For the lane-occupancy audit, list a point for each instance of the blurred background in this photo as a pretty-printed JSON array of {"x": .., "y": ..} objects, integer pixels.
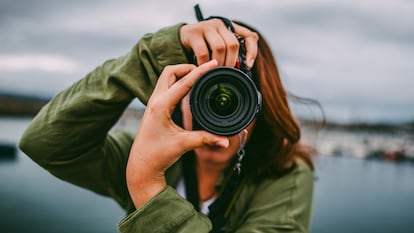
[{"x": 354, "y": 57}]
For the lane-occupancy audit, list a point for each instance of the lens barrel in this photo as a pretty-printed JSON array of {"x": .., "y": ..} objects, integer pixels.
[{"x": 224, "y": 101}]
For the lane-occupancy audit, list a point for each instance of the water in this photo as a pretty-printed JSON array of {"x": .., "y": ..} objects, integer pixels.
[
  {"x": 351, "y": 195},
  {"x": 32, "y": 200},
  {"x": 356, "y": 195}
]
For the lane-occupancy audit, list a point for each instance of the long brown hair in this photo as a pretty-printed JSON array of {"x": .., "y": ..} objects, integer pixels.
[{"x": 275, "y": 142}]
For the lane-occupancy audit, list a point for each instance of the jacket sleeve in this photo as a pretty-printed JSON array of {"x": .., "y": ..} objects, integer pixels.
[
  {"x": 167, "y": 212},
  {"x": 274, "y": 206},
  {"x": 69, "y": 136}
]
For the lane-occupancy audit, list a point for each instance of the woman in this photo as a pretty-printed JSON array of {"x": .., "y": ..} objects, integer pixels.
[{"x": 272, "y": 193}]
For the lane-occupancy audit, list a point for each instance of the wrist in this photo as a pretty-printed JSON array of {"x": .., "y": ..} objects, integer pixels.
[{"x": 143, "y": 184}]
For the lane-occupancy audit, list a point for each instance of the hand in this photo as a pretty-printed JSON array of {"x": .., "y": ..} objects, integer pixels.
[
  {"x": 212, "y": 37},
  {"x": 159, "y": 141}
]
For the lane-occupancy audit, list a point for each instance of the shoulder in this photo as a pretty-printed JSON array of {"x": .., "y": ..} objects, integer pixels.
[
  {"x": 296, "y": 186},
  {"x": 283, "y": 203}
]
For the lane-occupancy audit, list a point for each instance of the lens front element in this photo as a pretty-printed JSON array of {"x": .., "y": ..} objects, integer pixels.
[{"x": 224, "y": 101}]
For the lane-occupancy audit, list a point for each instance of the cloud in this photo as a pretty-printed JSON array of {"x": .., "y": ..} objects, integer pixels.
[
  {"x": 344, "y": 53},
  {"x": 37, "y": 62}
]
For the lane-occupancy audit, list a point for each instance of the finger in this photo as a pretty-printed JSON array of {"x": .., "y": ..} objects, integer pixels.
[
  {"x": 200, "y": 50},
  {"x": 184, "y": 84},
  {"x": 251, "y": 51},
  {"x": 193, "y": 40},
  {"x": 251, "y": 38},
  {"x": 169, "y": 76},
  {"x": 217, "y": 46},
  {"x": 200, "y": 138},
  {"x": 232, "y": 47}
]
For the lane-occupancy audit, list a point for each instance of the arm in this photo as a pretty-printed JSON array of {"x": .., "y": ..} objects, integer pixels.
[
  {"x": 280, "y": 205},
  {"x": 159, "y": 208},
  {"x": 167, "y": 212},
  {"x": 69, "y": 137}
]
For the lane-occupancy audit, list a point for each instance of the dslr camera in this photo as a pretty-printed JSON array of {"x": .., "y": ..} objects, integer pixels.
[{"x": 225, "y": 100}]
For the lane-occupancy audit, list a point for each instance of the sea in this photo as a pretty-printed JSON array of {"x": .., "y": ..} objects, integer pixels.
[{"x": 351, "y": 194}]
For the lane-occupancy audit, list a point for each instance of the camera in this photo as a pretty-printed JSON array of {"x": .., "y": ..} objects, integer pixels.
[{"x": 225, "y": 100}]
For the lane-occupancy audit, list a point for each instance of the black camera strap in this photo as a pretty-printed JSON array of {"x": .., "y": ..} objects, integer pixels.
[
  {"x": 200, "y": 17},
  {"x": 229, "y": 192}
]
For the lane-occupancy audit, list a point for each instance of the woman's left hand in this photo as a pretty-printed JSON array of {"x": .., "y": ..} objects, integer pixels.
[
  {"x": 159, "y": 142},
  {"x": 211, "y": 39}
]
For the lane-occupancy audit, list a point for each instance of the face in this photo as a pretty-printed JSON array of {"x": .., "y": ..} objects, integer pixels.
[{"x": 213, "y": 154}]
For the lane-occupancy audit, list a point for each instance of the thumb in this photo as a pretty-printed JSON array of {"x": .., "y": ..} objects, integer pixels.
[{"x": 199, "y": 138}]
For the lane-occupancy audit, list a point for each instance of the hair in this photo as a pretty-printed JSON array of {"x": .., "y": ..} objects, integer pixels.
[{"x": 275, "y": 142}]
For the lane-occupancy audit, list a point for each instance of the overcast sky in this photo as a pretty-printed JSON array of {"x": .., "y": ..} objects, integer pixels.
[{"x": 355, "y": 56}]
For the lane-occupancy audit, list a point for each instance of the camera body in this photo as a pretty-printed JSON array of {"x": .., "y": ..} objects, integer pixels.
[{"x": 225, "y": 100}]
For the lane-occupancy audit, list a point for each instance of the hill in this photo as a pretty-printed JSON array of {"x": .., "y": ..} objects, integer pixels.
[{"x": 20, "y": 105}]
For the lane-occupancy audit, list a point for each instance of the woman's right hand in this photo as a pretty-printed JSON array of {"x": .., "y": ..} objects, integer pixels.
[
  {"x": 211, "y": 39},
  {"x": 159, "y": 141}
]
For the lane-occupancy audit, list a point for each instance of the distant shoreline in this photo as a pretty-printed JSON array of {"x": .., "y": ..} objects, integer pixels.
[
  {"x": 15, "y": 105},
  {"x": 384, "y": 141},
  {"x": 19, "y": 105}
]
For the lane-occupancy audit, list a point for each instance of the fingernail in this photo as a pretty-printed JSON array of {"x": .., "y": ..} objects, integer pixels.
[
  {"x": 250, "y": 63},
  {"x": 214, "y": 61},
  {"x": 210, "y": 63},
  {"x": 223, "y": 143}
]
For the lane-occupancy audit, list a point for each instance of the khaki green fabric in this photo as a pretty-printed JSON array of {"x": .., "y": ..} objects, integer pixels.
[{"x": 71, "y": 138}]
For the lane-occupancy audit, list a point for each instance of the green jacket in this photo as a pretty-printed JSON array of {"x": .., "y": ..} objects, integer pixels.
[{"x": 71, "y": 137}]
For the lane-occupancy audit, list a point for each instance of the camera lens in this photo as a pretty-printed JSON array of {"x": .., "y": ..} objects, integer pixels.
[{"x": 224, "y": 101}]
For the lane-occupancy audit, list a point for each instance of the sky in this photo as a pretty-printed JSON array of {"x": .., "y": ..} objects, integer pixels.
[{"x": 356, "y": 57}]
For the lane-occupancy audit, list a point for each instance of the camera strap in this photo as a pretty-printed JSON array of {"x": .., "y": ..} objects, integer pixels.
[
  {"x": 229, "y": 192},
  {"x": 200, "y": 17}
]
